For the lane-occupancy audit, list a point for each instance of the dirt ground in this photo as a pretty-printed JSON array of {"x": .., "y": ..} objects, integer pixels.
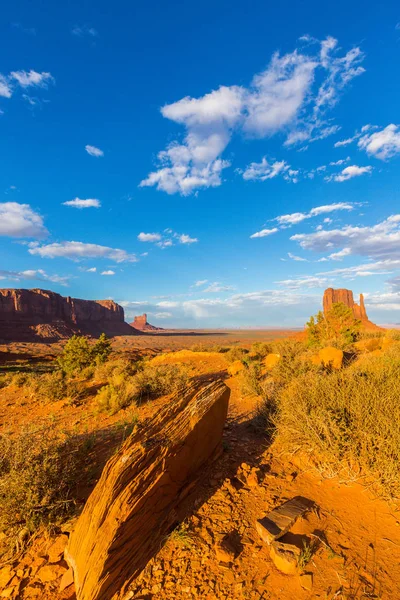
[{"x": 354, "y": 536}]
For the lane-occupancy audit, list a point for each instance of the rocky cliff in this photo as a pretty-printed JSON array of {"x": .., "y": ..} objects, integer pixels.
[
  {"x": 332, "y": 296},
  {"x": 140, "y": 322},
  {"x": 34, "y": 315}
]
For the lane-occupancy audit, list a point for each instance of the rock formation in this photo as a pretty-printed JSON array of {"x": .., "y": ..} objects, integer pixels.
[
  {"x": 137, "y": 499},
  {"x": 34, "y": 315},
  {"x": 140, "y": 322},
  {"x": 332, "y": 296}
]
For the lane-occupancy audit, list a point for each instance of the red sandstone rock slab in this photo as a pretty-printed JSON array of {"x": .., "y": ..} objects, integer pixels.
[
  {"x": 278, "y": 522},
  {"x": 134, "y": 504}
]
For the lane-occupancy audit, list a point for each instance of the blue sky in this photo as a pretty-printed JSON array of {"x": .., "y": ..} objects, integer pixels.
[{"x": 214, "y": 166}]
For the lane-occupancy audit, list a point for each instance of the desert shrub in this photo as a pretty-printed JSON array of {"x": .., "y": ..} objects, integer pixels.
[
  {"x": 101, "y": 350},
  {"x": 21, "y": 379},
  {"x": 293, "y": 360},
  {"x": 117, "y": 395},
  {"x": 105, "y": 371},
  {"x": 259, "y": 350},
  {"x": 393, "y": 334},
  {"x": 4, "y": 380},
  {"x": 153, "y": 381},
  {"x": 236, "y": 353},
  {"x": 50, "y": 387},
  {"x": 76, "y": 355},
  {"x": 39, "y": 473},
  {"x": 337, "y": 327},
  {"x": 349, "y": 418}
]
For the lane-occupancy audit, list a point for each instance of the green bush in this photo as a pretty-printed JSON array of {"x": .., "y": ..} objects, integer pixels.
[
  {"x": 101, "y": 350},
  {"x": 337, "y": 327},
  {"x": 235, "y": 353},
  {"x": 76, "y": 356},
  {"x": 156, "y": 380}
]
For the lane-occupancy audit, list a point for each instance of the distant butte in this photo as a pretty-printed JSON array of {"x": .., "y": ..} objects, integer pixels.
[
  {"x": 41, "y": 315},
  {"x": 332, "y": 296},
  {"x": 140, "y": 322}
]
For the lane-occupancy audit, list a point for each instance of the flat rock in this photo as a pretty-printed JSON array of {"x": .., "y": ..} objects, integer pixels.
[
  {"x": 6, "y": 574},
  {"x": 56, "y": 550},
  {"x": 306, "y": 581},
  {"x": 278, "y": 522},
  {"x": 66, "y": 580}
]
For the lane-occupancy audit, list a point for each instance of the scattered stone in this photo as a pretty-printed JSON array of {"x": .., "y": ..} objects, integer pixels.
[
  {"x": 280, "y": 520},
  {"x": 252, "y": 479},
  {"x": 7, "y": 593},
  {"x": 56, "y": 550},
  {"x": 224, "y": 551},
  {"x": 6, "y": 574},
  {"x": 50, "y": 573},
  {"x": 306, "y": 581},
  {"x": 285, "y": 557},
  {"x": 67, "y": 579},
  {"x": 134, "y": 502}
]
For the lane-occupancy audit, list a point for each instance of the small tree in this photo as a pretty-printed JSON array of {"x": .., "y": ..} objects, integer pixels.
[
  {"x": 76, "y": 355},
  {"x": 101, "y": 350},
  {"x": 338, "y": 327}
]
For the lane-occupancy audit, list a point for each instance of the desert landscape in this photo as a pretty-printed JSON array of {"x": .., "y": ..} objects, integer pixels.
[
  {"x": 177, "y": 464},
  {"x": 199, "y": 300}
]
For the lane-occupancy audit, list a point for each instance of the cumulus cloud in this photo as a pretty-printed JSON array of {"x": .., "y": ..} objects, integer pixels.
[
  {"x": 20, "y": 220},
  {"x": 109, "y": 272},
  {"x": 79, "y": 203},
  {"x": 296, "y": 258},
  {"x": 149, "y": 237},
  {"x": 349, "y": 172},
  {"x": 298, "y": 217},
  {"x": 382, "y": 144},
  {"x": 33, "y": 274},
  {"x": 380, "y": 241},
  {"x": 268, "y": 170},
  {"x": 264, "y": 233},
  {"x": 292, "y": 95},
  {"x": 93, "y": 151},
  {"x": 81, "y": 250},
  {"x": 200, "y": 283},
  {"x": 381, "y": 267},
  {"x": 166, "y": 239}
]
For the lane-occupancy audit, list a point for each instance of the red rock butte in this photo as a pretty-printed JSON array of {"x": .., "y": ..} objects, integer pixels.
[
  {"x": 344, "y": 296},
  {"x": 42, "y": 315},
  {"x": 140, "y": 322}
]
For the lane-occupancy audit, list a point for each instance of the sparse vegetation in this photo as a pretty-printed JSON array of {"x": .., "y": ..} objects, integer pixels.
[
  {"x": 78, "y": 354},
  {"x": 337, "y": 327},
  {"x": 40, "y": 470}
]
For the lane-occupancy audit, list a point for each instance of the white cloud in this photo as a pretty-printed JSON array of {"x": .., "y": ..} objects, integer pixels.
[
  {"x": 20, "y": 220},
  {"x": 186, "y": 239},
  {"x": 93, "y": 151},
  {"x": 5, "y": 88},
  {"x": 340, "y": 255},
  {"x": 109, "y": 272},
  {"x": 84, "y": 30},
  {"x": 265, "y": 170},
  {"x": 217, "y": 287},
  {"x": 163, "y": 315},
  {"x": 149, "y": 237},
  {"x": 382, "y": 144},
  {"x": 80, "y": 250},
  {"x": 381, "y": 267},
  {"x": 88, "y": 270},
  {"x": 337, "y": 163},
  {"x": 345, "y": 142},
  {"x": 307, "y": 281},
  {"x": 33, "y": 274},
  {"x": 264, "y": 233},
  {"x": 298, "y": 217},
  {"x": 349, "y": 172},
  {"x": 296, "y": 258},
  {"x": 380, "y": 241},
  {"x": 286, "y": 96},
  {"x": 79, "y": 203},
  {"x": 31, "y": 78},
  {"x": 200, "y": 282}
]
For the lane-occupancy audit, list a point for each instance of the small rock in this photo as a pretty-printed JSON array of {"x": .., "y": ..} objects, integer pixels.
[
  {"x": 7, "y": 593},
  {"x": 252, "y": 479},
  {"x": 50, "y": 573},
  {"x": 306, "y": 581},
  {"x": 6, "y": 574},
  {"x": 67, "y": 579},
  {"x": 56, "y": 550},
  {"x": 285, "y": 557},
  {"x": 224, "y": 551}
]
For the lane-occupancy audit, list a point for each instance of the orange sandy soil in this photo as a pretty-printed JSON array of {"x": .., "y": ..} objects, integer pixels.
[{"x": 356, "y": 536}]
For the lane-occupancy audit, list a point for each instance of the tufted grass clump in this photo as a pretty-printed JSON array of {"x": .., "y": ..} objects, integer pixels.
[{"x": 349, "y": 420}]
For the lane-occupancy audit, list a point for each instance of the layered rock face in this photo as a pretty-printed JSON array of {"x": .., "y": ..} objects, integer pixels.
[
  {"x": 140, "y": 322},
  {"x": 332, "y": 296},
  {"x": 31, "y": 315},
  {"x": 138, "y": 496}
]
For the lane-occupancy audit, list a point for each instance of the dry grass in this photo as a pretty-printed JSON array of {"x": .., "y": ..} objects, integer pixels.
[
  {"x": 40, "y": 470},
  {"x": 348, "y": 419}
]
